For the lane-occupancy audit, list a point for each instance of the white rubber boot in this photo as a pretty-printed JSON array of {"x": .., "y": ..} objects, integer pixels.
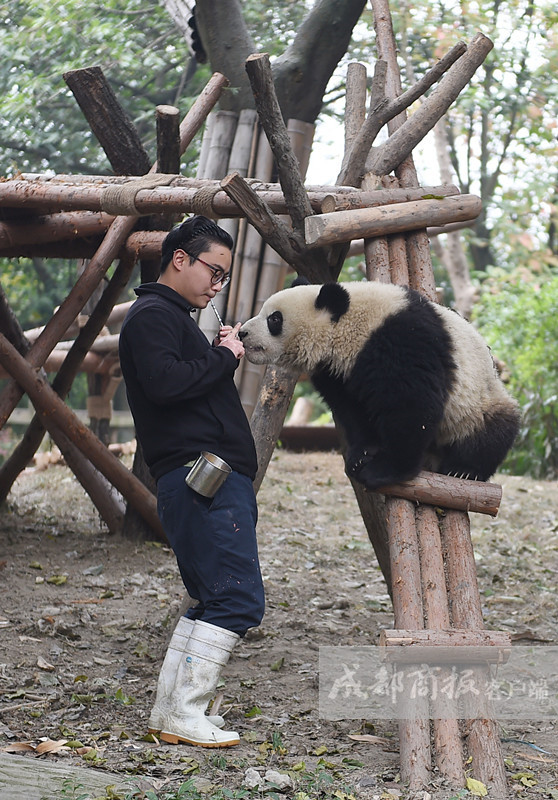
[
  {"x": 167, "y": 677},
  {"x": 208, "y": 650}
]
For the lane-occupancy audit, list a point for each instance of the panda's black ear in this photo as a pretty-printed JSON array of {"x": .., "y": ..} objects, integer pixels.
[
  {"x": 335, "y": 299},
  {"x": 300, "y": 280}
]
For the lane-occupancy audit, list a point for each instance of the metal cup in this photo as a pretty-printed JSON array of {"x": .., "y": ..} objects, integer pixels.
[{"x": 208, "y": 474}]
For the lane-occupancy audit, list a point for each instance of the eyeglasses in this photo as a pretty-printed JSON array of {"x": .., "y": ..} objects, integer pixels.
[{"x": 217, "y": 274}]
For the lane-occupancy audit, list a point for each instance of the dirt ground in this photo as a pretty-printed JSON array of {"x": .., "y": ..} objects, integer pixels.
[{"x": 85, "y": 616}]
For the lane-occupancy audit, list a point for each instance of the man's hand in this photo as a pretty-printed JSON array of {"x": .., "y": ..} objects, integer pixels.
[{"x": 229, "y": 338}]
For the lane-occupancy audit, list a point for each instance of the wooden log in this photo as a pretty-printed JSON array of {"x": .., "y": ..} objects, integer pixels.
[
  {"x": 24, "y": 778},
  {"x": 54, "y": 227},
  {"x": 355, "y": 103},
  {"x": 471, "y": 646},
  {"x": 448, "y": 752},
  {"x": 258, "y": 213},
  {"x": 383, "y": 110},
  {"x": 116, "y": 133},
  {"x": 37, "y": 195},
  {"x": 28, "y": 445},
  {"x": 343, "y": 226},
  {"x": 97, "y": 267},
  {"x": 51, "y": 408},
  {"x": 402, "y": 142},
  {"x": 168, "y": 138},
  {"x": 483, "y": 740},
  {"x": 414, "y": 732},
  {"x": 442, "y": 490},
  {"x": 261, "y": 80},
  {"x": 270, "y": 411},
  {"x": 357, "y": 245}
]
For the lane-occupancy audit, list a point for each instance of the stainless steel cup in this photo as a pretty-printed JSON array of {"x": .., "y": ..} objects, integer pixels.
[{"x": 208, "y": 474}]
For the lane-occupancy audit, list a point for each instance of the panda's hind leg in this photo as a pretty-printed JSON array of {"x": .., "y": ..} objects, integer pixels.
[{"x": 376, "y": 466}]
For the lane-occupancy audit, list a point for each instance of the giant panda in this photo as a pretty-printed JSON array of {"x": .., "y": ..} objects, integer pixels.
[{"x": 412, "y": 383}]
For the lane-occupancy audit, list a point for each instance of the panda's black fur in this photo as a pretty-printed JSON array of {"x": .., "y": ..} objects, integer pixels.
[{"x": 392, "y": 378}]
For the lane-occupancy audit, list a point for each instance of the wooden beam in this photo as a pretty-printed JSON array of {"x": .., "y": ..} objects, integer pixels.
[
  {"x": 441, "y": 490},
  {"x": 344, "y": 226}
]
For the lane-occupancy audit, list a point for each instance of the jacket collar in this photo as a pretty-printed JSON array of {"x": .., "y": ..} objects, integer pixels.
[{"x": 164, "y": 291}]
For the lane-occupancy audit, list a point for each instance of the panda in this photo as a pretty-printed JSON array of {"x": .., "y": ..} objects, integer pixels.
[{"x": 411, "y": 382}]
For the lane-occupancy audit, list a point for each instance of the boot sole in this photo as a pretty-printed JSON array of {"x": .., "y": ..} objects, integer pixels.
[{"x": 172, "y": 738}]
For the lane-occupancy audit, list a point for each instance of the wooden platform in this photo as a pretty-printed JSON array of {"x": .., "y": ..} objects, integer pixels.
[{"x": 30, "y": 778}]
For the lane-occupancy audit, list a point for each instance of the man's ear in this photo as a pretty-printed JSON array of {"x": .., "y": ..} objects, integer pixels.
[{"x": 180, "y": 259}]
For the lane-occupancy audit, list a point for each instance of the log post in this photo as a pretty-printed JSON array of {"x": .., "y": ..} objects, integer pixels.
[
  {"x": 414, "y": 732},
  {"x": 447, "y": 738},
  {"x": 483, "y": 740}
]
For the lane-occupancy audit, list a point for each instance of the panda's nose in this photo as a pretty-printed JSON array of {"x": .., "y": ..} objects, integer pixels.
[{"x": 242, "y": 334}]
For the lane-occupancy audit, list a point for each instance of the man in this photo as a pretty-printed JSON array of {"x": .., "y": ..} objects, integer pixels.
[{"x": 184, "y": 401}]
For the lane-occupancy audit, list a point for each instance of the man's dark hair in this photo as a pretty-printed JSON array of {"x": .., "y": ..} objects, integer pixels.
[{"x": 194, "y": 236}]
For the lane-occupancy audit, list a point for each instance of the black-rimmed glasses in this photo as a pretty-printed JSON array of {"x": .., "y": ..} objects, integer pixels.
[{"x": 217, "y": 274}]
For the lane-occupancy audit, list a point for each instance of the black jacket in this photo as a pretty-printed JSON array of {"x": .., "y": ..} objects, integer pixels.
[{"x": 181, "y": 389}]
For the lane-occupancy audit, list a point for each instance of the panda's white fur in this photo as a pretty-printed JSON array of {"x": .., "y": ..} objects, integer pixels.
[{"x": 327, "y": 331}]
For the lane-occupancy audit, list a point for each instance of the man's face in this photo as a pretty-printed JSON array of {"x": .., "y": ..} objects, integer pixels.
[{"x": 194, "y": 281}]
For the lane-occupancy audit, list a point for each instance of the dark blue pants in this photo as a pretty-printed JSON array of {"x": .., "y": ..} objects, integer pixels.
[{"x": 214, "y": 541}]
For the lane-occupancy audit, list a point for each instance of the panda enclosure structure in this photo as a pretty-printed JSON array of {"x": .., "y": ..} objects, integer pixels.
[{"x": 428, "y": 561}]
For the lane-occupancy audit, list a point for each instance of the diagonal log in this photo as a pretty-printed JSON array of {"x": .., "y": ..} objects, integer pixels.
[
  {"x": 107, "y": 252},
  {"x": 56, "y": 414},
  {"x": 269, "y": 112},
  {"x": 402, "y": 142},
  {"x": 382, "y": 110},
  {"x": 62, "y": 383}
]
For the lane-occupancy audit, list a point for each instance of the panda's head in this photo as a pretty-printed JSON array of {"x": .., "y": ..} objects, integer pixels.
[{"x": 296, "y": 326}]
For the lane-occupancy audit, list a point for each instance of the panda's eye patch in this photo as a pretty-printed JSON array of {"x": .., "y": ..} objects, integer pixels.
[{"x": 275, "y": 323}]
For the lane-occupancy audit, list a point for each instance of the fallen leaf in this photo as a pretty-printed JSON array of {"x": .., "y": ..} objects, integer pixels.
[
  {"x": 368, "y": 737},
  {"x": 51, "y": 746},
  {"x": 477, "y": 788},
  {"x": 17, "y": 747},
  {"x": 42, "y": 664},
  {"x": 57, "y": 580}
]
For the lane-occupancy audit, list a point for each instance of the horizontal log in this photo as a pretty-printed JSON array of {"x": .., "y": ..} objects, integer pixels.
[
  {"x": 451, "y": 646},
  {"x": 92, "y": 363},
  {"x": 357, "y": 245},
  {"x": 54, "y": 227},
  {"x": 435, "y": 489},
  {"x": 60, "y": 196},
  {"x": 344, "y": 226}
]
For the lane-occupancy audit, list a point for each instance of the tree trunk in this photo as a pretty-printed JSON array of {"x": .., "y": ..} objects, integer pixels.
[{"x": 301, "y": 73}]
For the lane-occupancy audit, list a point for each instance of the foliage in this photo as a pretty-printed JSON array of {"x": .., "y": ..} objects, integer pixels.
[
  {"x": 518, "y": 316},
  {"x": 502, "y": 128},
  {"x": 134, "y": 41}
]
